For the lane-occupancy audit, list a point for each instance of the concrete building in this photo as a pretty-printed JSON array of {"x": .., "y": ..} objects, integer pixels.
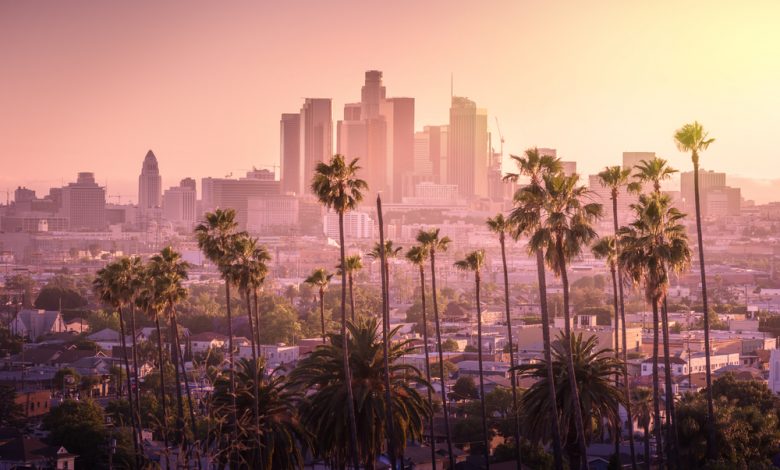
[
  {"x": 356, "y": 225},
  {"x": 84, "y": 204},
  {"x": 467, "y": 153},
  {"x": 274, "y": 215},
  {"x": 228, "y": 193},
  {"x": 290, "y": 153},
  {"x": 316, "y": 138},
  {"x": 178, "y": 203},
  {"x": 149, "y": 184}
]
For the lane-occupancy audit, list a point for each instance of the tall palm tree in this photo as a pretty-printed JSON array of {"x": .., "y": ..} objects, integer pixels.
[
  {"x": 391, "y": 252},
  {"x": 354, "y": 264},
  {"x": 598, "y": 400},
  {"x": 431, "y": 242},
  {"x": 113, "y": 286},
  {"x": 474, "y": 262},
  {"x": 566, "y": 227},
  {"x": 281, "y": 434},
  {"x": 215, "y": 236},
  {"x": 500, "y": 226},
  {"x": 693, "y": 138},
  {"x": 656, "y": 171},
  {"x": 652, "y": 246},
  {"x": 418, "y": 255},
  {"x": 338, "y": 188},
  {"x": 320, "y": 278},
  {"x": 642, "y": 401},
  {"x": 168, "y": 270},
  {"x": 135, "y": 268},
  {"x": 526, "y": 216},
  {"x": 322, "y": 411},
  {"x": 617, "y": 179}
]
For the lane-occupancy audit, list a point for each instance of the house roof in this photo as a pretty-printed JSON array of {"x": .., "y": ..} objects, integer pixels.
[
  {"x": 30, "y": 449},
  {"x": 672, "y": 360},
  {"x": 106, "y": 334},
  {"x": 208, "y": 336}
]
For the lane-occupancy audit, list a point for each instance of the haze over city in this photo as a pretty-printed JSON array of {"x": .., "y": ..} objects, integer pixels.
[{"x": 92, "y": 86}]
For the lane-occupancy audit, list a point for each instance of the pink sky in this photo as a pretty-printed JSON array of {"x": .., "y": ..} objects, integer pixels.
[{"x": 91, "y": 86}]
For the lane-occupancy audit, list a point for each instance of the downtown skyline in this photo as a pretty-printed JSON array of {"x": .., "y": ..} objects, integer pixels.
[{"x": 206, "y": 103}]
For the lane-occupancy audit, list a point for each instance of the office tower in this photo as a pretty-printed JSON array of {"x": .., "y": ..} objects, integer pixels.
[
  {"x": 84, "y": 204},
  {"x": 727, "y": 200},
  {"x": 707, "y": 180},
  {"x": 149, "y": 184},
  {"x": 235, "y": 194},
  {"x": 290, "y": 153},
  {"x": 468, "y": 157},
  {"x": 316, "y": 138},
  {"x": 178, "y": 203},
  {"x": 632, "y": 159},
  {"x": 429, "y": 149},
  {"x": 400, "y": 141}
]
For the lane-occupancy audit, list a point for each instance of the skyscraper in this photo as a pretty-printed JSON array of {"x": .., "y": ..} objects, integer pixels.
[
  {"x": 178, "y": 203},
  {"x": 84, "y": 203},
  {"x": 316, "y": 138},
  {"x": 468, "y": 158},
  {"x": 290, "y": 152},
  {"x": 399, "y": 115},
  {"x": 149, "y": 184}
]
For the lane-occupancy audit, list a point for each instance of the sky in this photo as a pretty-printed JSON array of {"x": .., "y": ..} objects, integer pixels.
[{"x": 93, "y": 85}]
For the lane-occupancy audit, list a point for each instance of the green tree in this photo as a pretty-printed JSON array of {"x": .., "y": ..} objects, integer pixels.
[
  {"x": 79, "y": 426},
  {"x": 642, "y": 403},
  {"x": 694, "y": 139},
  {"x": 11, "y": 413},
  {"x": 432, "y": 243},
  {"x": 597, "y": 397},
  {"x": 526, "y": 218},
  {"x": 322, "y": 412},
  {"x": 320, "y": 278},
  {"x": 465, "y": 388},
  {"x": 354, "y": 264},
  {"x": 337, "y": 187}
]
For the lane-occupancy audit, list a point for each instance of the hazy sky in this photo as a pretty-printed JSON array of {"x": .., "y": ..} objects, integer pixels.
[{"x": 92, "y": 85}]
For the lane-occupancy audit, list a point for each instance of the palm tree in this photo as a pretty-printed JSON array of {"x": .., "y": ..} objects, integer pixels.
[
  {"x": 418, "y": 255},
  {"x": 652, "y": 246},
  {"x": 565, "y": 228},
  {"x": 500, "y": 226},
  {"x": 215, "y": 238},
  {"x": 281, "y": 435},
  {"x": 113, "y": 286},
  {"x": 322, "y": 411},
  {"x": 354, "y": 264},
  {"x": 693, "y": 138},
  {"x": 642, "y": 399},
  {"x": 320, "y": 278},
  {"x": 598, "y": 399},
  {"x": 653, "y": 171},
  {"x": 391, "y": 251},
  {"x": 616, "y": 179},
  {"x": 168, "y": 270},
  {"x": 525, "y": 217},
  {"x": 432, "y": 243},
  {"x": 337, "y": 187},
  {"x": 474, "y": 262}
]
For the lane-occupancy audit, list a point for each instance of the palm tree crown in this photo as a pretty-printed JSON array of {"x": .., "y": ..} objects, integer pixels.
[
  {"x": 653, "y": 171},
  {"x": 692, "y": 138},
  {"x": 336, "y": 186}
]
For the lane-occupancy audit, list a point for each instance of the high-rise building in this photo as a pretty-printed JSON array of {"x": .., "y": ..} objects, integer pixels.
[
  {"x": 430, "y": 147},
  {"x": 707, "y": 180},
  {"x": 316, "y": 138},
  {"x": 399, "y": 115},
  {"x": 84, "y": 204},
  {"x": 149, "y": 184},
  {"x": 235, "y": 194},
  {"x": 467, "y": 154},
  {"x": 569, "y": 167},
  {"x": 290, "y": 152},
  {"x": 179, "y": 203}
]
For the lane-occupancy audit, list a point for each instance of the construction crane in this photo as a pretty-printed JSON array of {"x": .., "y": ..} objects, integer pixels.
[{"x": 500, "y": 136}]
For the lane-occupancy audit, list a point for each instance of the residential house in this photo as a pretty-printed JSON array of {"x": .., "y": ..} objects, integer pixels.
[{"x": 34, "y": 323}]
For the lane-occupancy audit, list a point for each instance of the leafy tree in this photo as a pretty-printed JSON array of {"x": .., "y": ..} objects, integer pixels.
[
  {"x": 22, "y": 286},
  {"x": 465, "y": 388},
  {"x": 53, "y": 297},
  {"x": 66, "y": 378},
  {"x": 450, "y": 345},
  {"x": 9, "y": 343},
  {"x": 80, "y": 427},
  {"x": 11, "y": 413}
]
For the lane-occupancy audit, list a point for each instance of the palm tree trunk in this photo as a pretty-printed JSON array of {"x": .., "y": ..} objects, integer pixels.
[
  {"x": 137, "y": 409},
  {"x": 647, "y": 445},
  {"x": 163, "y": 401},
  {"x": 617, "y": 430},
  {"x": 351, "y": 297},
  {"x": 232, "y": 368},
  {"x": 427, "y": 367},
  {"x": 133, "y": 418},
  {"x": 193, "y": 424},
  {"x": 575, "y": 393},
  {"x": 515, "y": 408},
  {"x": 671, "y": 422},
  {"x": 554, "y": 418},
  {"x": 181, "y": 436},
  {"x": 711, "y": 436},
  {"x": 445, "y": 409},
  {"x": 255, "y": 385},
  {"x": 385, "y": 336},
  {"x": 257, "y": 323},
  {"x": 626, "y": 385},
  {"x": 482, "y": 377},
  {"x": 322, "y": 313},
  {"x": 656, "y": 394},
  {"x": 345, "y": 349}
]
